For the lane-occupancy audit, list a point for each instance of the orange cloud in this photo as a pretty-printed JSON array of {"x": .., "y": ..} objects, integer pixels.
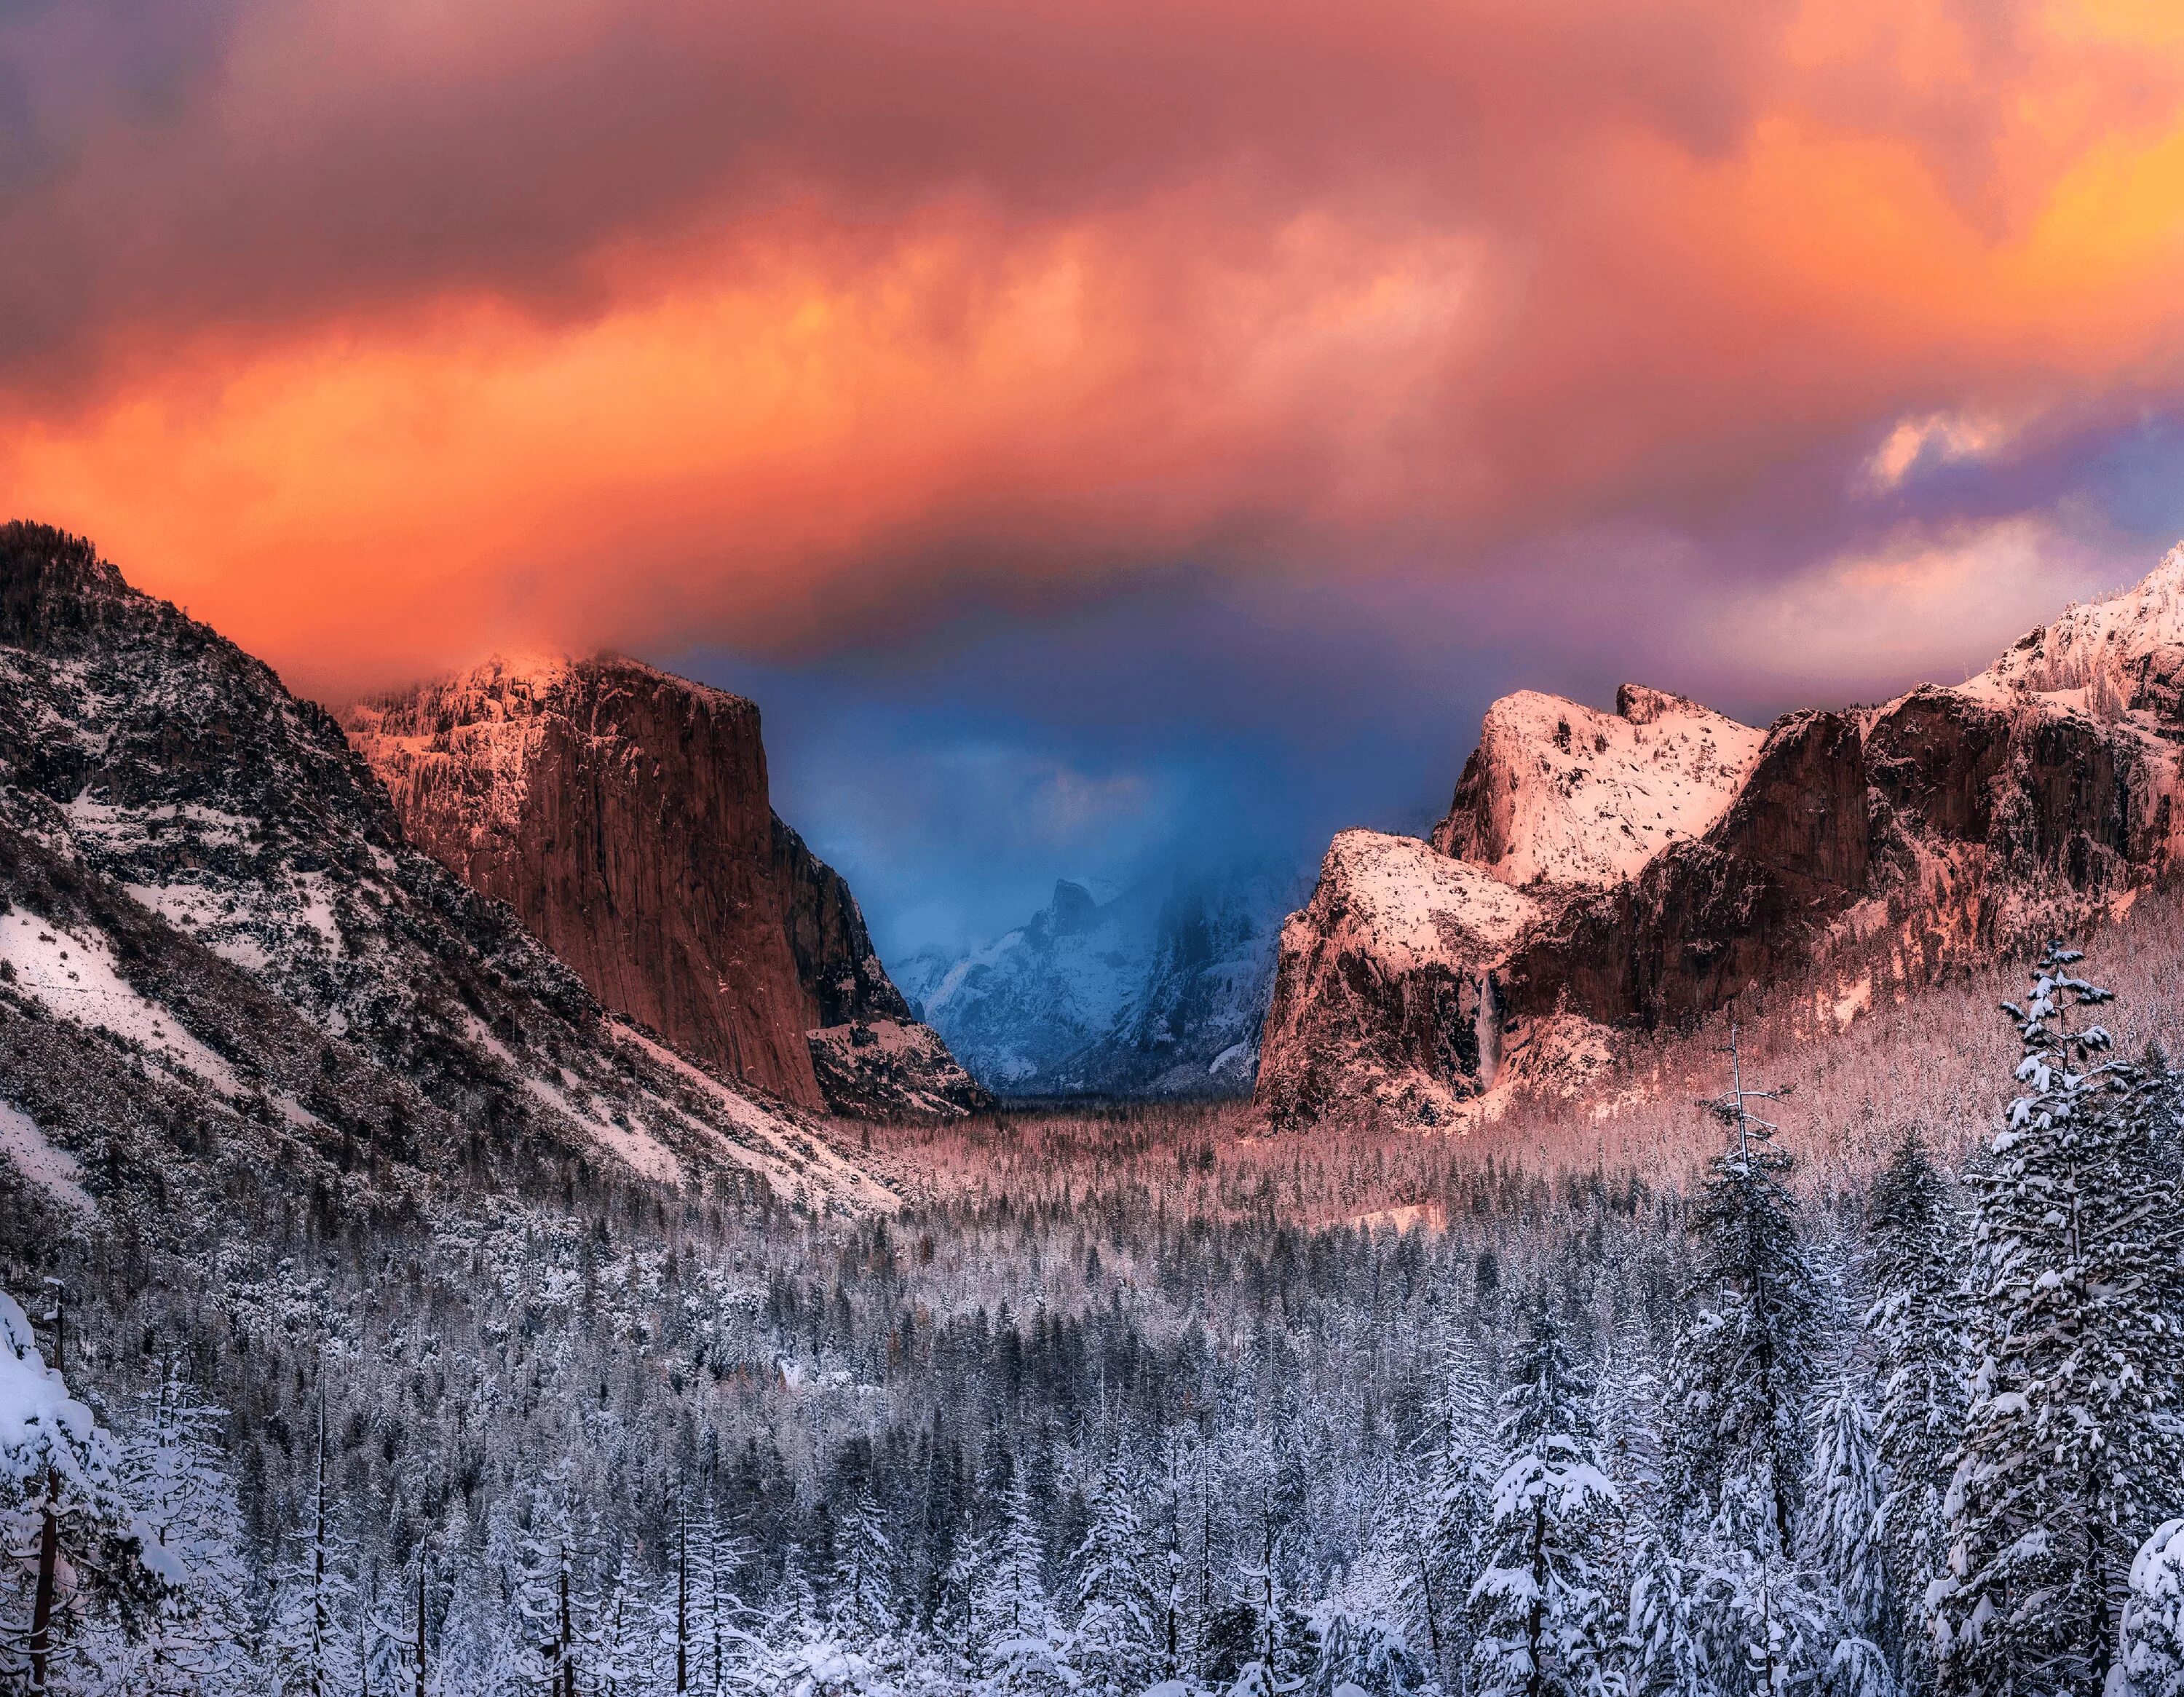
[{"x": 390, "y": 332}]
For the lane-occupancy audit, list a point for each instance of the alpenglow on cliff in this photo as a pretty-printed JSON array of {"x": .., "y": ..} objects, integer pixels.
[
  {"x": 1604, "y": 875},
  {"x": 623, "y": 813}
]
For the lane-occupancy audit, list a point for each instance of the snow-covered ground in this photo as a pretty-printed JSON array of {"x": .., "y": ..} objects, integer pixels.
[{"x": 73, "y": 975}]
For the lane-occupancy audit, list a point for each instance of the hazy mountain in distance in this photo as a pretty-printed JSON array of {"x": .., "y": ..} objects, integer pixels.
[{"x": 1156, "y": 990}]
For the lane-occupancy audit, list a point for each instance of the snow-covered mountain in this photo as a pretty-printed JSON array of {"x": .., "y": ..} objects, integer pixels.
[
  {"x": 1157, "y": 990},
  {"x": 1599, "y": 875},
  {"x": 222, "y": 962}
]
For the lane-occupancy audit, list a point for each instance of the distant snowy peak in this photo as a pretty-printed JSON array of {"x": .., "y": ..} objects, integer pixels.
[
  {"x": 2123, "y": 653},
  {"x": 1157, "y": 990},
  {"x": 1560, "y": 793}
]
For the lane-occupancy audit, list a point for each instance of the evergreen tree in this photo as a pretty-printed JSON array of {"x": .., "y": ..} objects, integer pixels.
[
  {"x": 312, "y": 1641},
  {"x": 1444, "y": 1535},
  {"x": 1117, "y": 1645},
  {"x": 1363, "y": 1654},
  {"x": 1917, "y": 1324},
  {"x": 65, "y": 1545},
  {"x": 1747, "y": 1359},
  {"x": 195, "y": 1637},
  {"x": 2071, "y": 1450},
  {"x": 545, "y": 1603},
  {"x": 1013, "y": 1603},
  {"x": 2152, "y": 1643},
  {"x": 864, "y": 1574},
  {"x": 960, "y": 1621},
  {"x": 1843, "y": 1508},
  {"x": 1765, "y": 1629},
  {"x": 1663, "y": 1637},
  {"x": 1547, "y": 1629}
]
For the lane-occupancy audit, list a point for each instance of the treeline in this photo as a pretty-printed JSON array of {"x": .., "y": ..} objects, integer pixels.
[{"x": 1121, "y": 1422}]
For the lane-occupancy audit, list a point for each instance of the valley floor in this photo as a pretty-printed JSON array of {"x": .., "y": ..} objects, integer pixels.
[{"x": 1111, "y": 1399}]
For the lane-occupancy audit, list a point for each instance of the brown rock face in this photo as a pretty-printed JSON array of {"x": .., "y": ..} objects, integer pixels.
[
  {"x": 1952, "y": 822},
  {"x": 624, "y": 814}
]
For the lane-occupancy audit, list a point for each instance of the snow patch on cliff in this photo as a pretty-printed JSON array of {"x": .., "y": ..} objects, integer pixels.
[
  {"x": 1408, "y": 904},
  {"x": 73, "y": 976},
  {"x": 54, "y": 1171},
  {"x": 1565, "y": 794}
]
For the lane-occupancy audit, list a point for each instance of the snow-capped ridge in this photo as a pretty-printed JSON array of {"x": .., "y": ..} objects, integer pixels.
[
  {"x": 1679, "y": 861},
  {"x": 1557, "y": 793}
]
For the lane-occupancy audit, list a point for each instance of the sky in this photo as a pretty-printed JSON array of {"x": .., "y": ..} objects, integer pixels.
[{"x": 1103, "y": 436}]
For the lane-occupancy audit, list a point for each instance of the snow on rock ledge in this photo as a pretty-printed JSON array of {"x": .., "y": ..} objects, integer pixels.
[
  {"x": 1560, "y": 793},
  {"x": 1385, "y": 991}
]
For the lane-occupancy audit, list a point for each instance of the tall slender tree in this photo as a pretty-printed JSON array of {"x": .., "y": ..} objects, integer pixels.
[
  {"x": 1117, "y": 1643},
  {"x": 313, "y": 1642},
  {"x": 1748, "y": 1357},
  {"x": 1916, "y": 1321},
  {"x": 2071, "y": 1451}
]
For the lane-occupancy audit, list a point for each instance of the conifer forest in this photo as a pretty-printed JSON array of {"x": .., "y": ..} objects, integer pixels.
[{"x": 1863, "y": 1381}]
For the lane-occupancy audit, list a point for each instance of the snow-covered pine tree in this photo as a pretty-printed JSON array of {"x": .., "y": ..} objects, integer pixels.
[
  {"x": 196, "y": 1635},
  {"x": 1916, "y": 1321},
  {"x": 719, "y": 1625},
  {"x": 2151, "y": 1649},
  {"x": 1764, "y": 1628},
  {"x": 959, "y": 1622},
  {"x": 1843, "y": 1507},
  {"x": 795, "y": 1610},
  {"x": 863, "y": 1601},
  {"x": 311, "y": 1648},
  {"x": 1362, "y": 1655},
  {"x": 1013, "y": 1602},
  {"x": 1444, "y": 1533},
  {"x": 2071, "y": 1450},
  {"x": 66, "y": 1546},
  {"x": 620, "y": 1640},
  {"x": 1747, "y": 1361},
  {"x": 1664, "y": 1650},
  {"x": 1548, "y": 1629},
  {"x": 544, "y": 1601},
  {"x": 1117, "y": 1646}
]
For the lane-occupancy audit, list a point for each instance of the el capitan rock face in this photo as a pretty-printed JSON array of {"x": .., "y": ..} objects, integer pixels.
[
  {"x": 623, "y": 813},
  {"x": 1676, "y": 862}
]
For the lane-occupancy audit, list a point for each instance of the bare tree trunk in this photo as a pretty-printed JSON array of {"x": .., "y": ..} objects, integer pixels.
[
  {"x": 568, "y": 1668},
  {"x": 682, "y": 1604},
  {"x": 41, "y": 1609}
]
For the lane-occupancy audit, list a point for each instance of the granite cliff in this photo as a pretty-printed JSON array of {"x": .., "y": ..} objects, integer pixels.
[
  {"x": 623, "y": 813},
  {"x": 224, "y": 967},
  {"x": 1599, "y": 875}
]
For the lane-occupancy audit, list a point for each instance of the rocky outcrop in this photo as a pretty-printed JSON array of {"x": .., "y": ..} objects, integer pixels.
[
  {"x": 1558, "y": 794},
  {"x": 1384, "y": 985},
  {"x": 624, "y": 814},
  {"x": 1666, "y": 882}
]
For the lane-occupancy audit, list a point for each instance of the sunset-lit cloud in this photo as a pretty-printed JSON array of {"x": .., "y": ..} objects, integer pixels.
[
  {"x": 1547, "y": 343},
  {"x": 382, "y": 333}
]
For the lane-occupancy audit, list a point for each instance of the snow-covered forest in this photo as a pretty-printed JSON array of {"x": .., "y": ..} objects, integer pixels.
[{"x": 1864, "y": 1385}]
